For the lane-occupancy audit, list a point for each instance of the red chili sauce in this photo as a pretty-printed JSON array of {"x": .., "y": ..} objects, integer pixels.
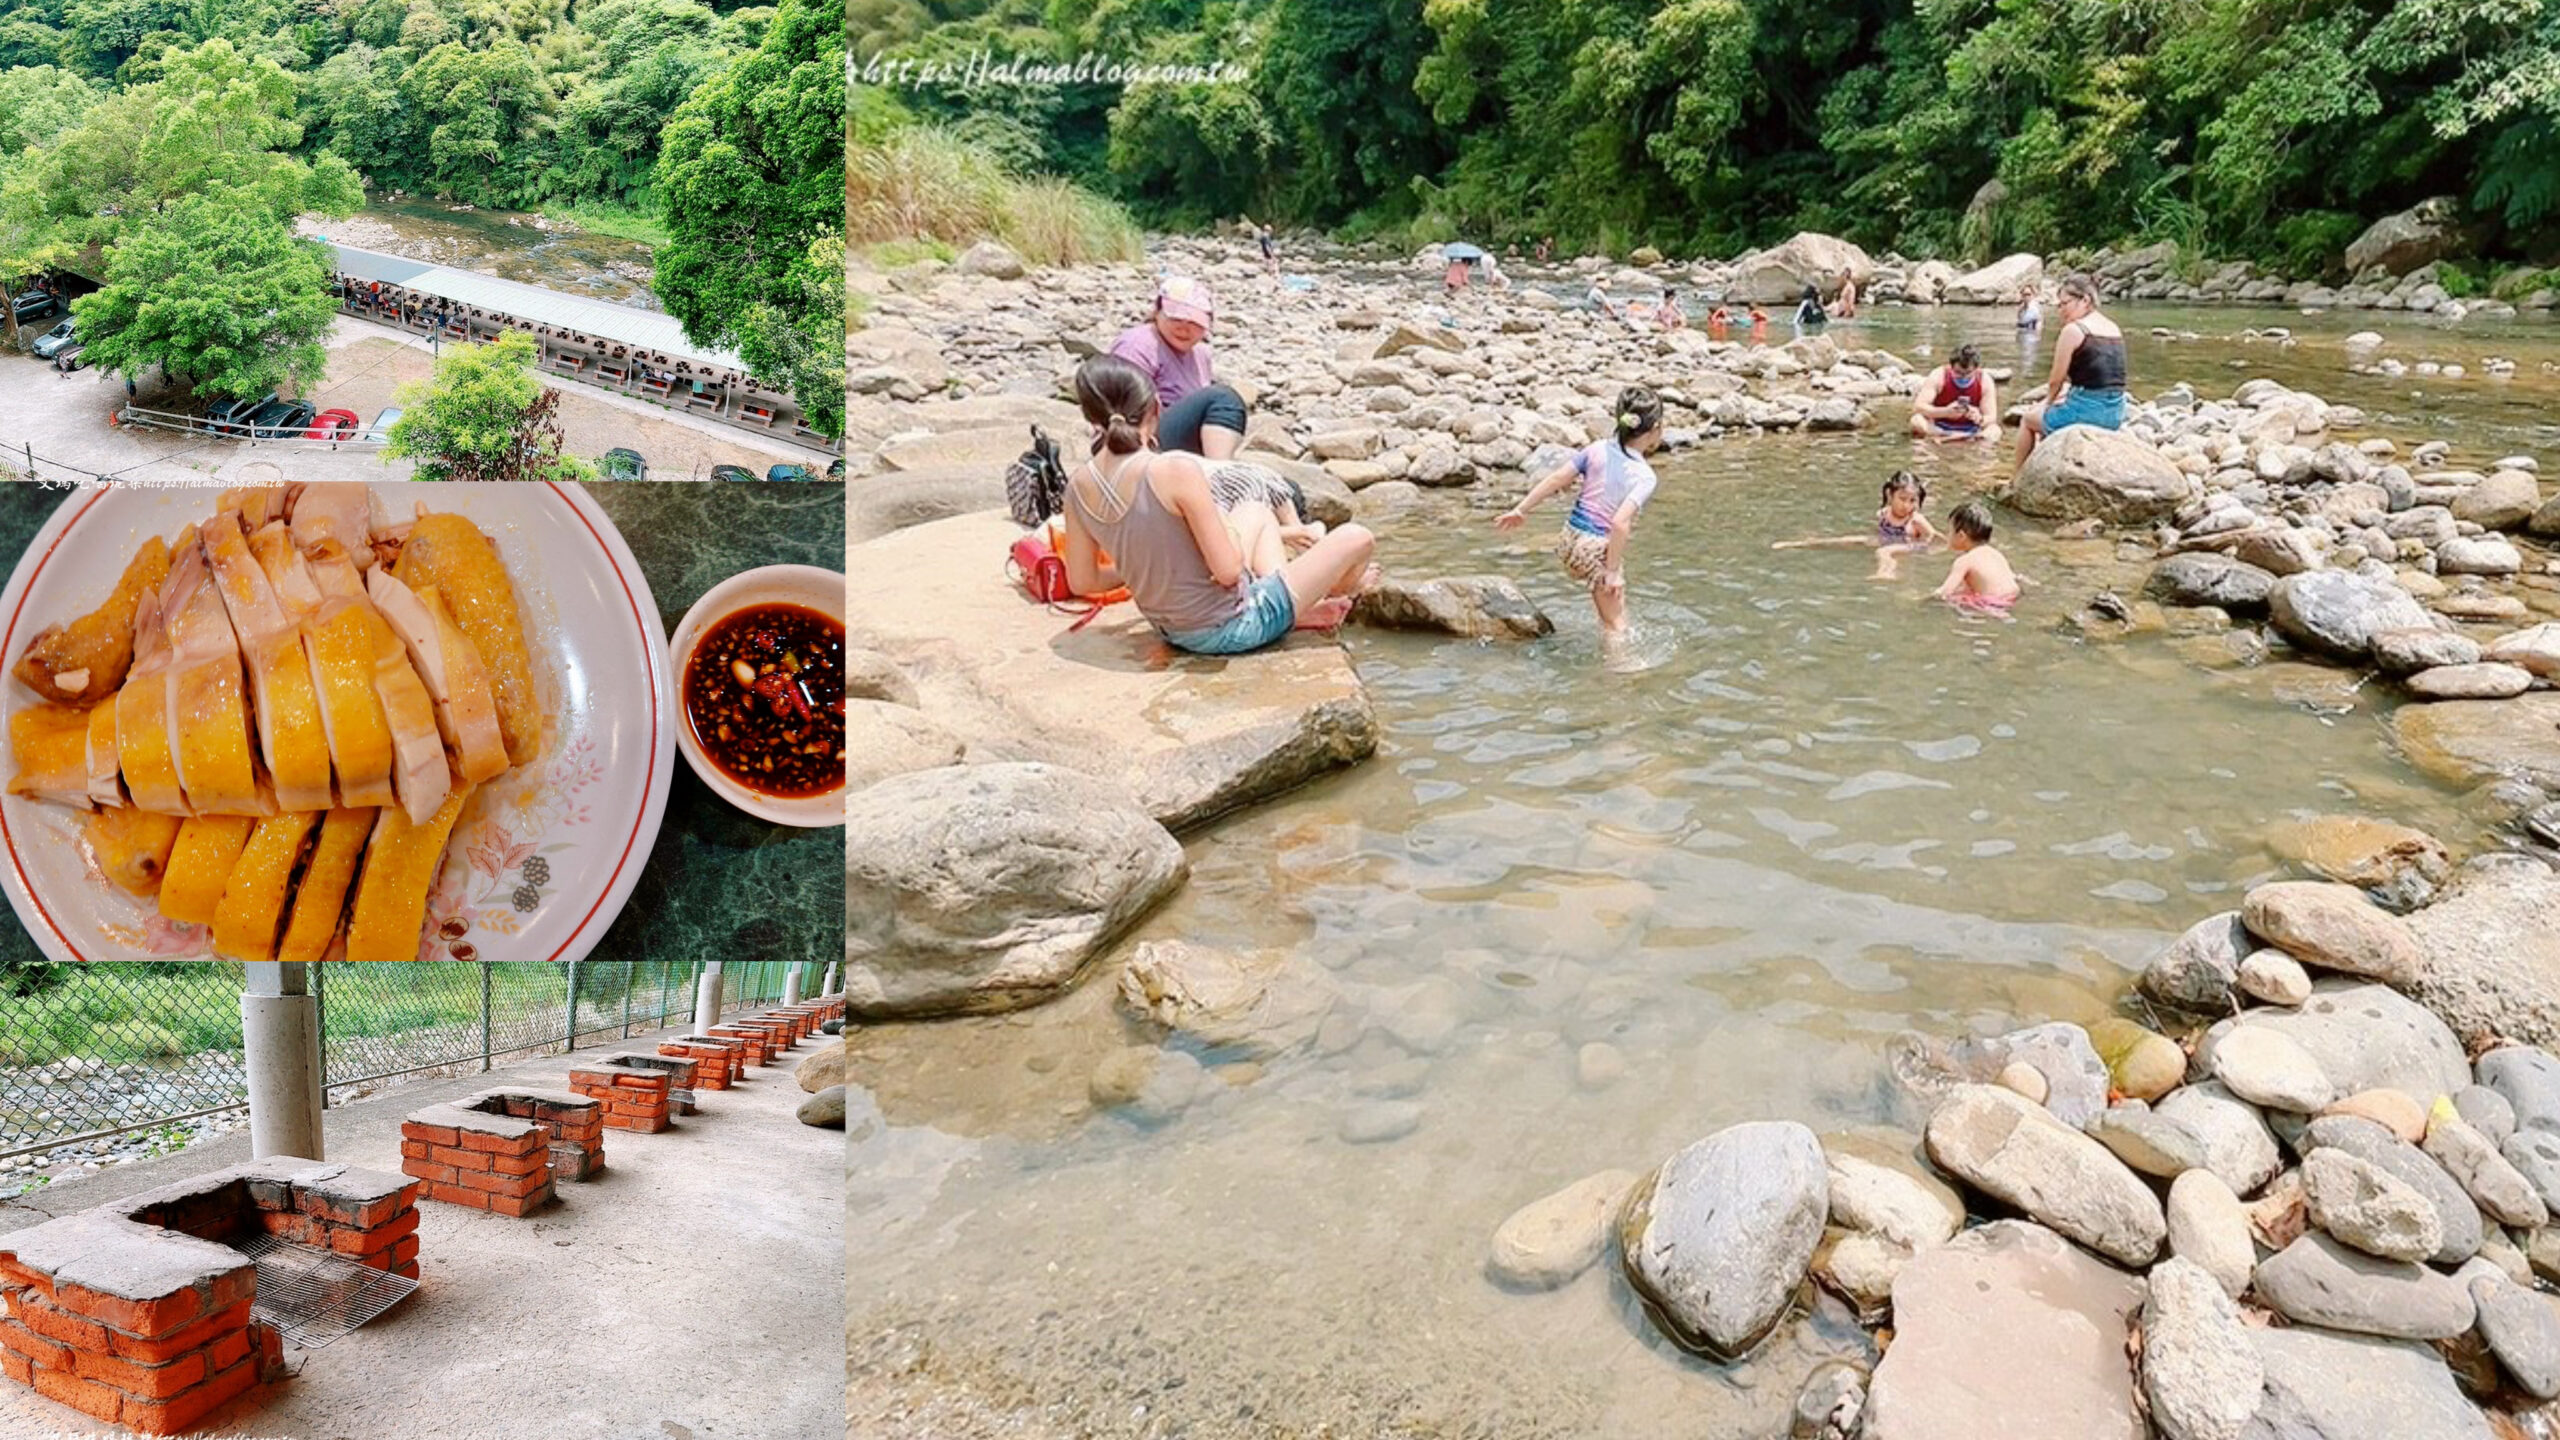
[{"x": 764, "y": 693}]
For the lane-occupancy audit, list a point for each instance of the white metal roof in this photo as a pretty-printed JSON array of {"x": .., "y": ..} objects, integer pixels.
[{"x": 642, "y": 329}]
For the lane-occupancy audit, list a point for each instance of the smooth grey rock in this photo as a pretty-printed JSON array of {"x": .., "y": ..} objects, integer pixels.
[
  {"x": 2110, "y": 475},
  {"x": 2275, "y": 978},
  {"x": 2485, "y": 681},
  {"x": 1878, "y": 1198},
  {"x": 2237, "y": 1145},
  {"x": 2008, "y": 1330},
  {"x": 2318, "y": 1281},
  {"x": 2075, "y": 1078},
  {"x": 2478, "y": 555},
  {"x": 2201, "y": 966},
  {"x": 1375, "y": 1122},
  {"x": 2150, "y": 1143},
  {"x": 2504, "y": 1195},
  {"x": 2527, "y": 1079},
  {"x": 2536, "y": 1156},
  {"x": 2457, "y": 1218},
  {"x": 2492, "y": 943},
  {"x": 1554, "y": 1238},
  {"x": 2264, "y": 1067},
  {"x": 2336, "y": 613},
  {"x": 2367, "y": 1037},
  {"x": 2486, "y": 1109},
  {"x": 2201, "y": 1373},
  {"x": 2522, "y": 1328},
  {"x": 2204, "y": 578},
  {"x": 989, "y": 887},
  {"x": 2324, "y": 1385},
  {"x": 2367, "y": 1207},
  {"x": 1722, "y": 1237},
  {"x": 2209, "y": 1227},
  {"x": 2021, "y": 1155},
  {"x": 1474, "y": 607},
  {"x": 2424, "y": 647},
  {"x": 824, "y": 1109},
  {"x": 1257, "y": 1005}
]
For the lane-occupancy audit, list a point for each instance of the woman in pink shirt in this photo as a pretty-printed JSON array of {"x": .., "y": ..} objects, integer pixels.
[{"x": 1172, "y": 348}]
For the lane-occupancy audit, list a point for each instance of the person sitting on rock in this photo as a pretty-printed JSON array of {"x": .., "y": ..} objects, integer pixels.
[
  {"x": 1597, "y": 298},
  {"x": 1670, "y": 316},
  {"x": 1185, "y": 563},
  {"x": 1957, "y": 401},
  {"x": 1613, "y": 481},
  {"x": 1846, "y": 306},
  {"x": 1172, "y": 350},
  {"x": 2087, "y": 384}
]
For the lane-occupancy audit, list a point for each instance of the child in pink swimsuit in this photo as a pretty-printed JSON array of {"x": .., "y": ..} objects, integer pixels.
[{"x": 1900, "y": 527}]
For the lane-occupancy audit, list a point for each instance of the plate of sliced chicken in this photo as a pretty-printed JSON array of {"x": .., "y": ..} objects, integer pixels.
[{"x": 330, "y": 722}]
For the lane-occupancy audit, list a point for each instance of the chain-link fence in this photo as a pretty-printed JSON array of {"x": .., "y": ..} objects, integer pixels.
[{"x": 92, "y": 1051}]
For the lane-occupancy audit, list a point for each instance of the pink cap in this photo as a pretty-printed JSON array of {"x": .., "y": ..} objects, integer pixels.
[{"x": 1184, "y": 298}]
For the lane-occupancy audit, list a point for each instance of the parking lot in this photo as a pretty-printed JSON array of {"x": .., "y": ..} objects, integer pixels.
[{"x": 65, "y": 420}]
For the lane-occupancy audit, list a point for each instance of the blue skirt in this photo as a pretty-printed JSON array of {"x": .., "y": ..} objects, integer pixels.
[{"x": 2102, "y": 408}]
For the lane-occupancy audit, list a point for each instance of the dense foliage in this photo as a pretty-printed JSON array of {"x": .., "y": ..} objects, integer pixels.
[
  {"x": 484, "y": 415},
  {"x": 494, "y": 102},
  {"x": 215, "y": 291},
  {"x": 2272, "y": 128}
]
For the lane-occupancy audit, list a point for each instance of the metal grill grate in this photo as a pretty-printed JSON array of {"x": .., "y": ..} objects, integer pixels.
[{"x": 312, "y": 1297}]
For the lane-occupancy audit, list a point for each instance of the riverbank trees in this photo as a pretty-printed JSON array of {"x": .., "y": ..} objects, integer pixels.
[{"x": 2266, "y": 128}]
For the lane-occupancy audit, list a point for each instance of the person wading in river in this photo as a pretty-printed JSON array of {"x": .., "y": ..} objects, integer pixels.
[{"x": 2087, "y": 384}]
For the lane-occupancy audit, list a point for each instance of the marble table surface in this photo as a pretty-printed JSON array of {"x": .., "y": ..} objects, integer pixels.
[{"x": 720, "y": 884}]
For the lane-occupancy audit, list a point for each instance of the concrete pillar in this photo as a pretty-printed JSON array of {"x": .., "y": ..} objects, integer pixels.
[
  {"x": 791, "y": 983},
  {"x": 706, "y": 1000},
  {"x": 280, "y": 1031},
  {"x": 833, "y": 970}
]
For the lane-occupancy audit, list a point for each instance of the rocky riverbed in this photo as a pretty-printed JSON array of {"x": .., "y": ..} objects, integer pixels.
[{"x": 2300, "y": 1183}]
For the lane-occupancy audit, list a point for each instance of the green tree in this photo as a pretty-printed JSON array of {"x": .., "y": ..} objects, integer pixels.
[
  {"x": 484, "y": 416},
  {"x": 217, "y": 290},
  {"x": 751, "y": 176}
]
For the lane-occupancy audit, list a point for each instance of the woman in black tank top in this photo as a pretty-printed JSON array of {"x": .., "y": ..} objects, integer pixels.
[{"x": 2086, "y": 386}]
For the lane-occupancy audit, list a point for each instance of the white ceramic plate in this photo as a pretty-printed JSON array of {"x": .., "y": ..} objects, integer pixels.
[
  {"x": 583, "y": 815},
  {"x": 806, "y": 585}
]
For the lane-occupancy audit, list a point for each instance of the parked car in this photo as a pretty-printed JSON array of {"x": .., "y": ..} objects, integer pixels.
[
  {"x": 33, "y": 305},
  {"x": 789, "y": 472},
  {"x": 732, "y": 472},
  {"x": 619, "y": 464},
  {"x": 54, "y": 339},
  {"x": 280, "y": 419},
  {"x": 231, "y": 417},
  {"x": 333, "y": 425},
  {"x": 380, "y": 429},
  {"x": 70, "y": 358}
]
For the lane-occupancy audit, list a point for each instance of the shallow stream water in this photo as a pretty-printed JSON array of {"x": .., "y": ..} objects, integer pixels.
[
  {"x": 503, "y": 243},
  {"x": 1817, "y": 813}
]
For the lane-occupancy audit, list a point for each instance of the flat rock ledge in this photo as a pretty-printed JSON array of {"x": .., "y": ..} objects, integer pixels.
[{"x": 1189, "y": 737}]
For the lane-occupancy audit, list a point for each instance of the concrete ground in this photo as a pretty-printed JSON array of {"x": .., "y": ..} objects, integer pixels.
[
  {"x": 64, "y": 419},
  {"x": 693, "y": 1291}
]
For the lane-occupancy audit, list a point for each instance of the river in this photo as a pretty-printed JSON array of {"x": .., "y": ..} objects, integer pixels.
[{"x": 1820, "y": 813}]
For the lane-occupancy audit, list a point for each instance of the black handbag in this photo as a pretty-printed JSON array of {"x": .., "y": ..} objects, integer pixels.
[{"x": 1035, "y": 485}]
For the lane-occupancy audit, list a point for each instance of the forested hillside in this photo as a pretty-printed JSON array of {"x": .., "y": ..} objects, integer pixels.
[{"x": 2270, "y": 129}]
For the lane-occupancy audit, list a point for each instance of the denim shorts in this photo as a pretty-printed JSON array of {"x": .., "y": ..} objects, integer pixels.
[
  {"x": 2102, "y": 408},
  {"x": 1268, "y": 612}
]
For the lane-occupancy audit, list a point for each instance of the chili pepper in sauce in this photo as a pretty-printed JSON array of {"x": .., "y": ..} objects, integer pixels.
[{"x": 764, "y": 695}]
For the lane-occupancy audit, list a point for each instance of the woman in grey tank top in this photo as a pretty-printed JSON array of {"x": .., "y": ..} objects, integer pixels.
[{"x": 1186, "y": 566}]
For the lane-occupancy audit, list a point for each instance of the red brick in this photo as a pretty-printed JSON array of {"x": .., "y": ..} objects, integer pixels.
[
  {"x": 461, "y": 1159},
  {"x": 300, "y": 1229},
  {"x": 432, "y": 1134},
  {"x": 145, "y": 1318},
  {"x": 151, "y": 1382},
  {"x": 456, "y": 1195},
  {"x": 520, "y": 1164},
  {"x": 507, "y": 1184},
  {"x": 12, "y": 1273},
  {"x": 410, "y": 1270},
  {"x": 222, "y": 1354},
  {"x": 404, "y": 1253},
  {"x": 55, "y": 1323},
  {"x": 499, "y": 1144},
  {"x": 175, "y": 1417},
  {"x": 46, "y": 1354},
  {"x": 86, "y": 1396},
  {"x": 380, "y": 1237},
  {"x": 169, "y": 1347},
  {"x": 641, "y": 1082},
  {"x": 429, "y": 1172},
  {"x": 339, "y": 1212},
  {"x": 518, "y": 1205},
  {"x": 415, "y": 1149},
  {"x": 17, "y": 1367}
]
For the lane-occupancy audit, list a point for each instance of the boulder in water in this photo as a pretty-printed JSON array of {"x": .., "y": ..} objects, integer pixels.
[
  {"x": 1780, "y": 273},
  {"x": 1476, "y": 607},
  {"x": 2336, "y": 613},
  {"x": 1721, "y": 1237},
  {"x": 2415, "y": 237},
  {"x": 2106, "y": 474},
  {"x": 1997, "y": 283}
]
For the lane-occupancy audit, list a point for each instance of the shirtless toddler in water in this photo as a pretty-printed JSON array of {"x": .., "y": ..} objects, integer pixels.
[{"x": 1981, "y": 580}]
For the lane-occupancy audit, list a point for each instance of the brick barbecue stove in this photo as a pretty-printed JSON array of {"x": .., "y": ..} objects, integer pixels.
[
  {"x": 630, "y": 1094},
  {"x": 502, "y": 1150},
  {"x": 138, "y": 1312}
]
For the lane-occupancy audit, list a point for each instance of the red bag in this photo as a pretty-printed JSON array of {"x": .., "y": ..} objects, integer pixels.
[{"x": 1044, "y": 575}]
